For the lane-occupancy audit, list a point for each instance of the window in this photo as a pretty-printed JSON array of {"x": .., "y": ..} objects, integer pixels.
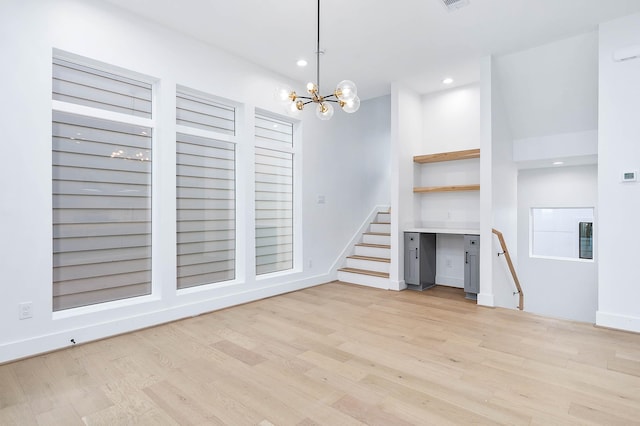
[
  {"x": 586, "y": 240},
  {"x": 101, "y": 158},
  {"x": 563, "y": 233},
  {"x": 274, "y": 158},
  {"x": 205, "y": 190}
]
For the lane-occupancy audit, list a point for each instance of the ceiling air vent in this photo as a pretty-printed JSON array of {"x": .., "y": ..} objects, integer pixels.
[{"x": 452, "y": 5}]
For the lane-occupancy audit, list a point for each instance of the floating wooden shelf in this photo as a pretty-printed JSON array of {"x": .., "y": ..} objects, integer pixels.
[
  {"x": 447, "y": 156},
  {"x": 450, "y": 188}
]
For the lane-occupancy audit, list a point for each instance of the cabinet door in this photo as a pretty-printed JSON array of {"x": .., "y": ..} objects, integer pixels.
[
  {"x": 412, "y": 258},
  {"x": 472, "y": 264},
  {"x": 471, "y": 272}
]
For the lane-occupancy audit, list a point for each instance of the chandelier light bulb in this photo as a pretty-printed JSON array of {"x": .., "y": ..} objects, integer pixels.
[
  {"x": 295, "y": 108},
  {"x": 284, "y": 94},
  {"x": 312, "y": 88},
  {"x": 351, "y": 106},
  {"x": 324, "y": 111},
  {"x": 346, "y": 90},
  {"x": 345, "y": 93}
]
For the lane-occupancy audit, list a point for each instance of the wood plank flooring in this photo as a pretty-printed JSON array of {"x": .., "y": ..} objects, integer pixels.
[{"x": 337, "y": 354}]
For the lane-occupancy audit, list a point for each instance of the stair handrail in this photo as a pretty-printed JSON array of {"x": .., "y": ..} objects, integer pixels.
[{"x": 503, "y": 244}]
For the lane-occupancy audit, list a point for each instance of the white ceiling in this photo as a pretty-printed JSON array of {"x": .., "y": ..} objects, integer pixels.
[{"x": 376, "y": 42}]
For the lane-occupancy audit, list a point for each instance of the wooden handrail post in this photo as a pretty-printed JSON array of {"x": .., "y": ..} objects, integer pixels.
[{"x": 503, "y": 244}]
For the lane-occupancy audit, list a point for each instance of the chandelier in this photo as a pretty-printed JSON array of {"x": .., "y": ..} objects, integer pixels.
[{"x": 345, "y": 94}]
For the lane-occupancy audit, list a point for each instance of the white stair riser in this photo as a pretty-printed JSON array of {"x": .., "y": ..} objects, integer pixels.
[
  {"x": 376, "y": 239},
  {"x": 380, "y": 227},
  {"x": 368, "y": 265},
  {"x": 373, "y": 252},
  {"x": 383, "y": 217},
  {"x": 368, "y": 280}
]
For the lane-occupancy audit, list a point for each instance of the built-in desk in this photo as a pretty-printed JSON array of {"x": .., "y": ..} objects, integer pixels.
[
  {"x": 420, "y": 258},
  {"x": 454, "y": 231}
]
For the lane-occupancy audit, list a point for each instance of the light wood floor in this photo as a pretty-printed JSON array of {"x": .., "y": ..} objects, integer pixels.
[{"x": 337, "y": 354}]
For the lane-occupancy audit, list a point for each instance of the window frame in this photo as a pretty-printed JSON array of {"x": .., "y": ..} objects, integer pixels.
[
  {"x": 532, "y": 231},
  {"x": 295, "y": 150},
  {"x": 234, "y": 139},
  {"x": 122, "y": 118}
]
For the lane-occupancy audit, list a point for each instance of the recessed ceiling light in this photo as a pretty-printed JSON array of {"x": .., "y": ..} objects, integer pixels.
[
  {"x": 301, "y": 63},
  {"x": 558, "y": 163},
  {"x": 447, "y": 80}
]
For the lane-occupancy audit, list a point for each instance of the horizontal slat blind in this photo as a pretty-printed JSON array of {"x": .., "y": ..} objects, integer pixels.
[
  {"x": 274, "y": 196},
  {"x": 271, "y": 132},
  {"x": 200, "y": 113},
  {"x": 205, "y": 193},
  {"x": 78, "y": 84},
  {"x": 101, "y": 210}
]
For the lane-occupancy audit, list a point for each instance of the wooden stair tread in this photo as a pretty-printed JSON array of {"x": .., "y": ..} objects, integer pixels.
[
  {"x": 365, "y": 272},
  {"x": 382, "y": 234},
  {"x": 384, "y": 246},
  {"x": 373, "y": 259},
  {"x": 381, "y": 223},
  {"x": 447, "y": 156},
  {"x": 448, "y": 188}
]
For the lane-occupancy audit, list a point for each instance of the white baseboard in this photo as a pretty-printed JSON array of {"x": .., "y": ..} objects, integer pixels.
[
  {"x": 450, "y": 281},
  {"x": 618, "y": 321},
  {"x": 397, "y": 285},
  {"x": 486, "y": 299},
  {"x": 50, "y": 342}
]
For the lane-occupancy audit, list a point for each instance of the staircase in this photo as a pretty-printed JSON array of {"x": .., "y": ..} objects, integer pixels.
[{"x": 370, "y": 263}]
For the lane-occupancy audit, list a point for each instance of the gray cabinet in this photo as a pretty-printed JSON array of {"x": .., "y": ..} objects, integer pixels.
[
  {"x": 472, "y": 266},
  {"x": 419, "y": 260}
]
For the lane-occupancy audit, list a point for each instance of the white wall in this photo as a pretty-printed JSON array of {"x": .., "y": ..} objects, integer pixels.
[
  {"x": 450, "y": 122},
  {"x": 619, "y": 203},
  {"x": 28, "y": 33},
  {"x": 504, "y": 198},
  {"x": 451, "y": 119},
  {"x": 406, "y": 132},
  {"x": 552, "y": 287},
  {"x": 349, "y": 166},
  {"x": 544, "y": 109},
  {"x": 487, "y": 82},
  {"x": 553, "y": 88}
]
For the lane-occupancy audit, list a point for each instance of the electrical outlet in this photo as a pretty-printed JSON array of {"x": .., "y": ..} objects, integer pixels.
[
  {"x": 25, "y": 310},
  {"x": 449, "y": 263}
]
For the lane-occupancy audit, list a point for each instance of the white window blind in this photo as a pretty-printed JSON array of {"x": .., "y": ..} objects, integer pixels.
[
  {"x": 82, "y": 85},
  {"x": 205, "y": 191},
  {"x": 274, "y": 195},
  {"x": 273, "y": 133},
  {"x": 101, "y": 210},
  {"x": 101, "y": 187},
  {"x": 200, "y": 113}
]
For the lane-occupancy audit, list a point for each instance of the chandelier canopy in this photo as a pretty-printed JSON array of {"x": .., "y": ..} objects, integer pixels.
[{"x": 345, "y": 94}]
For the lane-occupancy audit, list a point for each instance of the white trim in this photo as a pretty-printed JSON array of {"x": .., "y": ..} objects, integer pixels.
[
  {"x": 104, "y": 306},
  {"x": 397, "y": 285},
  {"x": 208, "y": 134},
  {"x": 207, "y": 287},
  {"x": 58, "y": 340},
  {"x": 486, "y": 299},
  {"x": 102, "y": 66},
  {"x": 618, "y": 321},
  {"x": 101, "y": 113},
  {"x": 568, "y": 259},
  {"x": 449, "y": 281}
]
